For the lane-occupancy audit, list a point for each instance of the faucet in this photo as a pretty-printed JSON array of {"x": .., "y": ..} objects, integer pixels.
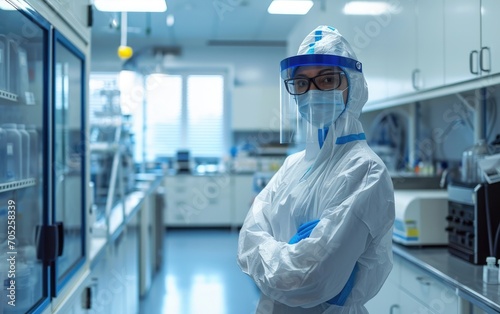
[{"x": 443, "y": 183}]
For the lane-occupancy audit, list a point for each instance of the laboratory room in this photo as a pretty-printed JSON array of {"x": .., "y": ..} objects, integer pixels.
[{"x": 249, "y": 156}]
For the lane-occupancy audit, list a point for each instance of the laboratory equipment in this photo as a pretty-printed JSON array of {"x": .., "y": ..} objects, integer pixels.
[
  {"x": 471, "y": 173},
  {"x": 183, "y": 161},
  {"x": 490, "y": 167},
  {"x": 420, "y": 217},
  {"x": 111, "y": 163},
  {"x": 388, "y": 134},
  {"x": 472, "y": 220}
]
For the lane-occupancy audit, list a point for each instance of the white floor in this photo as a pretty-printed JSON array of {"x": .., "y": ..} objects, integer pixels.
[{"x": 200, "y": 275}]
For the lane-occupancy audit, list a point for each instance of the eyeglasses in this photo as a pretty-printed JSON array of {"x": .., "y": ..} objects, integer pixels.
[{"x": 324, "y": 82}]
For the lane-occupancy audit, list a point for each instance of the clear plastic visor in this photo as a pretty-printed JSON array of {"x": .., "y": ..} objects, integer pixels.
[{"x": 311, "y": 96}]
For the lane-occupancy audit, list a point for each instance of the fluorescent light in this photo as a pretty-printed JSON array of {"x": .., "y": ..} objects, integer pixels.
[
  {"x": 366, "y": 8},
  {"x": 131, "y": 5},
  {"x": 170, "y": 20},
  {"x": 299, "y": 7},
  {"x": 6, "y": 6}
]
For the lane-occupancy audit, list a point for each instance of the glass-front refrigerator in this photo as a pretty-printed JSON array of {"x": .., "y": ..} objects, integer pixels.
[
  {"x": 69, "y": 153},
  {"x": 24, "y": 178}
]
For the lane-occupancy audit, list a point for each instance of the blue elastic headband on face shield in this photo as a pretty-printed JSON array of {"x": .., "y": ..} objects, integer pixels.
[{"x": 319, "y": 59}]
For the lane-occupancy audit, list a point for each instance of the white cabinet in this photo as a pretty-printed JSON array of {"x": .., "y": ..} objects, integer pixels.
[
  {"x": 427, "y": 290},
  {"x": 388, "y": 298},
  {"x": 365, "y": 34},
  {"x": 398, "y": 34},
  {"x": 429, "y": 71},
  {"x": 490, "y": 41},
  {"x": 242, "y": 197},
  {"x": 410, "y": 289},
  {"x": 256, "y": 108},
  {"x": 472, "y": 45},
  {"x": 386, "y": 45},
  {"x": 115, "y": 278},
  {"x": 198, "y": 200},
  {"x": 462, "y": 40}
]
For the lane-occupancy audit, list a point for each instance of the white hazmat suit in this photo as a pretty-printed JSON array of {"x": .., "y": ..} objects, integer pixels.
[{"x": 347, "y": 187}]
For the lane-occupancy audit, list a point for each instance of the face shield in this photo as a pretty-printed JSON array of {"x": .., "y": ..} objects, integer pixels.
[{"x": 314, "y": 91}]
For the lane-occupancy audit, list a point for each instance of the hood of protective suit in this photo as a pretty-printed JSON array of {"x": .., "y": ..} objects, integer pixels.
[{"x": 327, "y": 40}]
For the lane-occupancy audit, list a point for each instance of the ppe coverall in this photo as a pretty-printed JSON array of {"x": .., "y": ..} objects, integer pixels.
[{"x": 347, "y": 187}]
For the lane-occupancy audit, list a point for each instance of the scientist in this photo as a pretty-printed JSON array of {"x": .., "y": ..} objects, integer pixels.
[{"x": 317, "y": 239}]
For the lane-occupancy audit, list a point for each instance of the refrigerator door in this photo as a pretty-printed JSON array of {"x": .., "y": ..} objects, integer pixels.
[
  {"x": 69, "y": 149},
  {"x": 24, "y": 37}
]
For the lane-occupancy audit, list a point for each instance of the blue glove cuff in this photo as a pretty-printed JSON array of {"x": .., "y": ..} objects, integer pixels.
[
  {"x": 340, "y": 298},
  {"x": 304, "y": 231}
]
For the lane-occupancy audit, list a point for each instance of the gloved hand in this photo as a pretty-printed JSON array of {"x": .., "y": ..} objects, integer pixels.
[
  {"x": 304, "y": 231},
  {"x": 340, "y": 298}
]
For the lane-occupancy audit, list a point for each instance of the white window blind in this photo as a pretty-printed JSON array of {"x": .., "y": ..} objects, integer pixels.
[
  {"x": 163, "y": 115},
  {"x": 205, "y": 110},
  {"x": 184, "y": 112}
]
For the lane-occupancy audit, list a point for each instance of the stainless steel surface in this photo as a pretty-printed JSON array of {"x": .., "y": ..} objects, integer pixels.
[{"x": 452, "y": 271}]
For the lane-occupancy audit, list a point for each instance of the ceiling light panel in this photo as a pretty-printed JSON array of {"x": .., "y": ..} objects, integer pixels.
[
  {"x": 130, "y": 5},
  {"x": 366, "y": 8},
  {"x": 299, "y": 7}
]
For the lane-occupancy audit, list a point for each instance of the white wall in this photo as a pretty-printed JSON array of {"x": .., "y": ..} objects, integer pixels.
[
  {"x": 251, "y": 68},
  {"x": 251, "y": 65}
]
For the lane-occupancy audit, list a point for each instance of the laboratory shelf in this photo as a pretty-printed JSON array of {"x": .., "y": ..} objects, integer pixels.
[
  {"x": 8, "y": 95},
  {"x": 16, "y": 185},
  {"x": 104, "y": 147},
  {"x": 121, "y": 215}
]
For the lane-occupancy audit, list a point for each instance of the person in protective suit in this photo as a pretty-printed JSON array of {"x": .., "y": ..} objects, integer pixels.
[{"x": 318, "y": 237}]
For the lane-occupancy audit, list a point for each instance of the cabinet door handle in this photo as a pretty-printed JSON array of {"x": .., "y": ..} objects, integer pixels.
[
  {"x": 423, "y": 281},
  {"x": 471, "y": 63},
  {"x": 414, "y": 79},
  {"x": 391, "y": 309},
  {"x": 481, "y": 59}
]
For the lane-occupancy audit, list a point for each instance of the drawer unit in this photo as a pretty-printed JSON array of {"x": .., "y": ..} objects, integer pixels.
[
  {"x": 198, "y": 201},
  {"x": 428, "y": 290}
]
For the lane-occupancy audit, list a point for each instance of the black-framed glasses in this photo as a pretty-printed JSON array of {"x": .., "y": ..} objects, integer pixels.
[{"x": 324, "y": 82}]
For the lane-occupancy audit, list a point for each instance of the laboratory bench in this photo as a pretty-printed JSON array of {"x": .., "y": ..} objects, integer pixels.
[
  {"x": 125, "y": 254},
  {"x": 431, "y": 280}
]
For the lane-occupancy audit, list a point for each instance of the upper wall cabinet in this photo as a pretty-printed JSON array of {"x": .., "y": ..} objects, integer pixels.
[
  {"x": 386, "y": 45},
  {"x": 490, "y": 40},
  {"x": 471, "y": 39},
  {"x": 398, "y": 36},
  {"x": 429, "y": 70},
  {"x": 256, "y": 108},
  {"x": 72, "y": 11}
]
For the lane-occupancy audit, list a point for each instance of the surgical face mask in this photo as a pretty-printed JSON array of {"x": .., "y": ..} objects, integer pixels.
[{"x": 321, "y": 108}]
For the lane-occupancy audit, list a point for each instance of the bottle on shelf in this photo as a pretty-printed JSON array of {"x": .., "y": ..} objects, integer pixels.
[
  {"x": 3, "y": 63},
  {"x": 2, "y": 155},
  {"x": 33, "y": 167},
  {"x": 13, "y": 153},
  {"x": 25, "y": 148},
  {"x": 490, "y": 271}
]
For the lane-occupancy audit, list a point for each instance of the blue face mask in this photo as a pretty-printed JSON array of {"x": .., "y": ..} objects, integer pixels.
[{"x": 321, "y": 108}]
